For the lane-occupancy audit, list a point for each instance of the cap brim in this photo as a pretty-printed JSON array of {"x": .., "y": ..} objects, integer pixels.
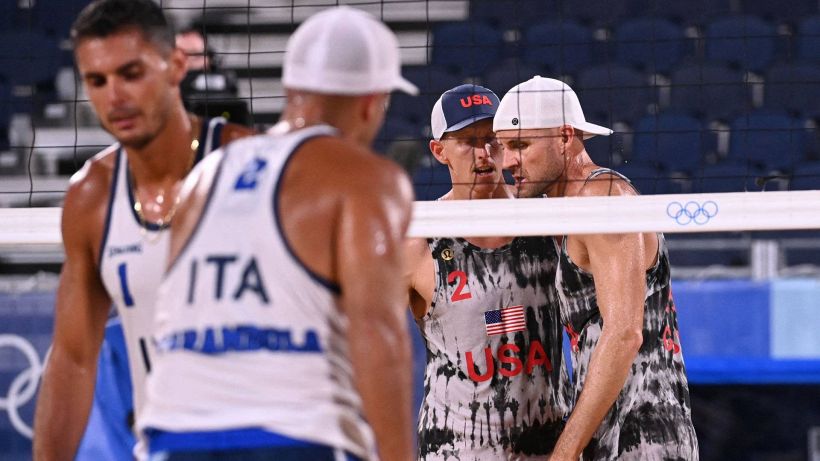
[
  {"x": 467, "y": 122},
  {"x": 591, "y": 129},
  {"x": 404, "y": 85}
]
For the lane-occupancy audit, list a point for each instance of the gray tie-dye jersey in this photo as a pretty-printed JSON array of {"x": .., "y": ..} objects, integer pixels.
[
  {"x": 496, "y": 385},
  {"x": 651, "y": 418}
]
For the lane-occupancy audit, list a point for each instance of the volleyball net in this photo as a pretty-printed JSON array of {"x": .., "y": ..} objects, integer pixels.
[{"x": 713, "y": 106}]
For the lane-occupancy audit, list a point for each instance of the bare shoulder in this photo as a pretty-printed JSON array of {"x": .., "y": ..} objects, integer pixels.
[
  {"x": 416, "y": 250},
  {"x": 606, "y": 184},
  {"x": 232, "y": 132},
  {"x": 360, "y": 170},
  {"x": 90, "y": 186},
  {"x": 86, "y": 200}
]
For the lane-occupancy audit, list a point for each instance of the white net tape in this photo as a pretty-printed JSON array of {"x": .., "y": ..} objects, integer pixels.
[{"x": 38, "y": 228}]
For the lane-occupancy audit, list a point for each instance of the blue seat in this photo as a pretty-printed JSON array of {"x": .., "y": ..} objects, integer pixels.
[
  {"x": 682, "y": 12},
  {"x": 726, "y": 177},
  {"x": 511, "y": 14},
  {"x": 55, "y": 17},
  {"x": 595, "y": 13},
  {"x": 467, "y": 48},
  {"x": 808, "y": 39},
  {"x": 709, "y": 90},
  {"x": 805, "y": 176},
  {"x": 396, "y": 129},
  {"x": 670, "y": 140},
  {"x": 611, "y": 93},
  {"x": 652, "y": 44},
  {"x": 432, "y": 82},
  {"x": 561, "y": 46},
  {"x": 505, "y": 76},
  {"x": 767, "y": 9},
  {"x": 28, "y": 57},
  {"x": 5, "y": 114},
  {"x": 794, "y": 88},
  {"x": 646, "y": 178},
  {"x": 606, "y": 151},
  {"x": 770, "y": 140},
  {"x": 744, "y": 41},
  {"x": 431, "y": 182}
]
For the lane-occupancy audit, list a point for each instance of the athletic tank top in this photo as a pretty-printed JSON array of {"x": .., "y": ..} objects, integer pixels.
[
  {"x": 132, "y": 257},
  {"x": 247, "y": 336},
  {"x": 496, "y": 384},
  {"x": 651, "y": 418}
]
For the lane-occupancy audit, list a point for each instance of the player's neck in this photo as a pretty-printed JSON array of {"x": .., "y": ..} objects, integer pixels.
[
  {"x": 578, "y": 167},
  {"x": 169, "y": 156}
]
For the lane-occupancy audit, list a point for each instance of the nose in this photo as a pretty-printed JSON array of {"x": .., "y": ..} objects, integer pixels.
[
  {"x": 114, "y": 91},
  {"x": 512, "y": 160}
]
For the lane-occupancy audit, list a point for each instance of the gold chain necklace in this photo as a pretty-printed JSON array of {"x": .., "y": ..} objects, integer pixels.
[{"x": 164, "y": 220}]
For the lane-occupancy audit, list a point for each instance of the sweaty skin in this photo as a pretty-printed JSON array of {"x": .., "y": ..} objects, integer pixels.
[
  {"x": 347, "y": 224},
  {"x": 133, "y": 87}
]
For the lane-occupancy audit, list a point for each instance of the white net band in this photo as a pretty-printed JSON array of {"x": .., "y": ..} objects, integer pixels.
[{"x": 38, "y": 228}]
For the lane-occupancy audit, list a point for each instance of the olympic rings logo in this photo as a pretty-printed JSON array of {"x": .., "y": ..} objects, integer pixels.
[
  {"x": 24, "y": 385},
  {"x": 692, "y": 212}
]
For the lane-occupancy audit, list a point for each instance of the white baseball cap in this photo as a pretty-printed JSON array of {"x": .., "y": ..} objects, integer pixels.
[
  {"x": 543, "y": 103},
  {"x": 344, "y": 51}
]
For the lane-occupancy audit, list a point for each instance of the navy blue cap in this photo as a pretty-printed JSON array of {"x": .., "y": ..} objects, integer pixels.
[{"x": 462, "y": 106}]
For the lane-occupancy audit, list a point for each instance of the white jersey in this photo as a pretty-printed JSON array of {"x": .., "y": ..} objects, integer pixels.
[
  {"x": 132, "y": 256},
  {"x": 247, "y": 336}
]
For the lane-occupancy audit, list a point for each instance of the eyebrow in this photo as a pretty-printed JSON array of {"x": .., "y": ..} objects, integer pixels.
[{"x": 120, "y": 70}]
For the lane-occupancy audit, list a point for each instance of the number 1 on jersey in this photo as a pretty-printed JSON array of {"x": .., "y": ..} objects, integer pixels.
[{"x": 127, "y": 299}]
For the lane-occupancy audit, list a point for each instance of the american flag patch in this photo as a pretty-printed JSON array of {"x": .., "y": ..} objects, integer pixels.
[{"x": 507, "y": 320}]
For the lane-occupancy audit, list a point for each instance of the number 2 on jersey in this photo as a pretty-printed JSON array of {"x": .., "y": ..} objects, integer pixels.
[{"x": 458, "y": 294}]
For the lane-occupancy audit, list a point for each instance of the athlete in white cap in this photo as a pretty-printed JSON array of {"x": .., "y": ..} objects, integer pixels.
[
  {"x": 632, "y": 397},
  {"x": 495, "y": 384},
  {"x": 280, "y": 328}
]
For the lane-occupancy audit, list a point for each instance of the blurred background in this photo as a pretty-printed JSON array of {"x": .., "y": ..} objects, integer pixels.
[{"x": 703, "y": 95}]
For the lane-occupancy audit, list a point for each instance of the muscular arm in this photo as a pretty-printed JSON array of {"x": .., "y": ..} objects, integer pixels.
[
  {"x": 419, "y": 276},
  {"x": 80, "y": 314},
  {"x": 618, "y": 265},
  {"x": 372, "y": 224}
]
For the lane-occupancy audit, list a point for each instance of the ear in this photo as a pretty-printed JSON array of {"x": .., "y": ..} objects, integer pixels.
[
  {"x": 372, "y": 106},
  {"x": 567, "y": 134},
  {"x": 178, "y": 65},
  {"x": 437, "y": 149}
]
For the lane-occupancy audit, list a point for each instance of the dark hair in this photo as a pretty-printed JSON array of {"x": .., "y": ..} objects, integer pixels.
[{"x": 103, "y": 18}]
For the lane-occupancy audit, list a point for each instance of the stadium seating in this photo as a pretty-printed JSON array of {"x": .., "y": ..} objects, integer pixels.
[
  {"x": 54, "y": 17},
  {"x": 726, "y": 177},
  {"x": 506, "y": 75},
  {"x": 511, "y": 14},
  {"x": 431, "y": 81},
  {"x": 28, "y": 57},
  {"x": 682, "y": 12},
  {"x": 769, "y": 140},
  {"x": 808, "y": 39},
  {"x": 432, "y": 181},
  {"x": 793, "y": 87},
  {"x": 670, "y": 140},
  {"x": 468, "y": 48},
  {"x": 744, "y": 41},
  {"x": 651, "y": 44},
  {"x": 5, "y": 115},
  {"x": 771, "y": 10},
  {"x": 646, "y": 178},
  {"x": 710, "y": 90},
  {"x": 612, "y": 93},
  {"x": 560, "y": 46},
  {"x": 805, "y": 176}
]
